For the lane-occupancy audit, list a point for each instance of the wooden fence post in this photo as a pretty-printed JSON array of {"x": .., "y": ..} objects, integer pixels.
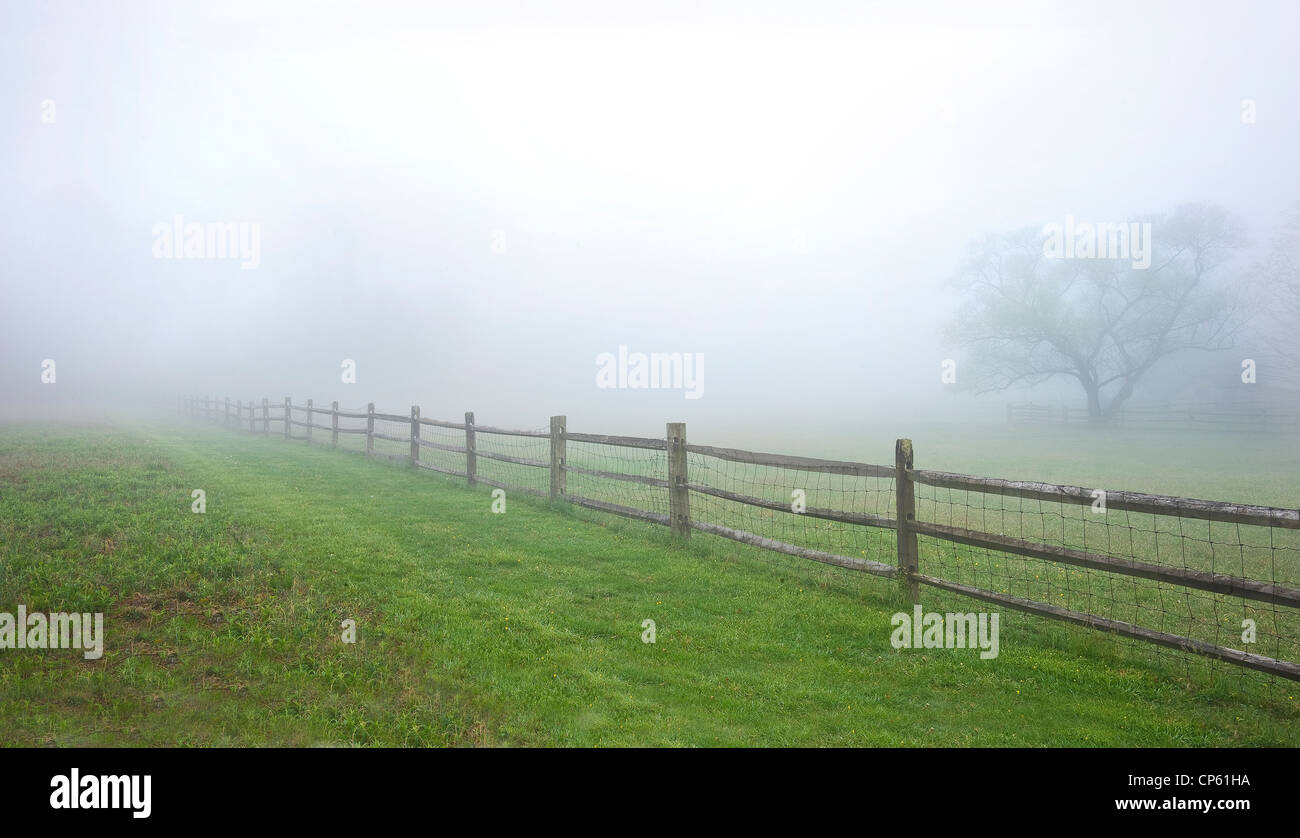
[
  {"x": 288, "y": 412},
  {"x": 266, "y": 417},
  {"x": 905, "y": 515},
  {"x": 334, "y": 425},
  {"x": 679, "y": 497},
  {"x": 310, "y": 421},
  {"x": 558, "y": 454},
  {"x": 227, "y": 423},
  {"x": 370, "y": 429},
  {"x": 415, "y": 434},
  {"x": 471, "y": 460},
  {"x": 252, "y": 416}
]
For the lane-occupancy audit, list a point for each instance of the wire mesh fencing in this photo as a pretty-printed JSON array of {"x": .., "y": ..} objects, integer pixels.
[
  {"x": 1219, "y": 580},
  {"x": 837, "y": 508},
  {"x": 518, "y": 459},
  {"x": 626, "y": 473}
]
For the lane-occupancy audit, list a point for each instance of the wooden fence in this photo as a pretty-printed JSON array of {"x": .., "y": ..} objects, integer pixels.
[{"x": 1277, "y": 549}]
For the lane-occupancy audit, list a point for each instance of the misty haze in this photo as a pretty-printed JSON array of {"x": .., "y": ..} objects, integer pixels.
[{"x": 653, "y": 374}]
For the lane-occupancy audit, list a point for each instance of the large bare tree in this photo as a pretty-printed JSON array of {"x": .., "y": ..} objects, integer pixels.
[{"x": 1102, "y": 322}]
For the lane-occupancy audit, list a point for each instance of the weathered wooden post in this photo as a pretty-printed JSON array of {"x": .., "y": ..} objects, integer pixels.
[
  {"x": 227, "y": 422},
  {"x": 679, "y": 497},
  {"x": 288, "y": 411},
  {"x": 252, "y": 416},
  {"x": 334, "y": 425},
  {"x": 370, "y": 429},
  {"x": 266, "y": 417},
  {"x": 310, "y": 421},
  {"x": 415, "y": 435},
  {"x": 471, "y": 460},
  {"x": 558, "y": 424},
  {"x": 905, "y": 515}
]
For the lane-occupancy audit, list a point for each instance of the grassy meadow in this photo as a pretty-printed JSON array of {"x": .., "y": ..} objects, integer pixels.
[{"x": 525, "y": 628}]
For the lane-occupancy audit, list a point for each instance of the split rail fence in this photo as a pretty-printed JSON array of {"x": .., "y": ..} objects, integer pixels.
[{"x": 1203, "y": 577}]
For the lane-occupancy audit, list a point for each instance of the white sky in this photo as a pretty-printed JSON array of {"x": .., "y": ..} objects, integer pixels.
[{"x": 781, "y": 188}]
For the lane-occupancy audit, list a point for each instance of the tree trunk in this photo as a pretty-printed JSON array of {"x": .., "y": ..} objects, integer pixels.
[
  {"x": 1095, "y": 416},
  {"x": 1117, "y": 401}
]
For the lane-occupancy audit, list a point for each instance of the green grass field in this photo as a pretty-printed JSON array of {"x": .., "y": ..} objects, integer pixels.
[{"x": 525, "y": 628}]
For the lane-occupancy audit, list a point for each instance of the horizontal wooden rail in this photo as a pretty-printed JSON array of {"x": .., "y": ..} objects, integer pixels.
[
  {"x": 623, "y": 441},
  {"x": 1203, "y": 580},
  {"x": 431, "y": 467},
  {"x": 389, "y": 437},
  {"x": 866, "y": 519},
  {"x": 352, "y": 430},
  {"x": 737, "y": 455},
  {"x": 300, "y": 424},
  {"x": 439, "y": 423},
  {"x": 850, "y": 562},
  {"x": 1208, "y": 510},
  {"x": 425, "y": 443},
  {"x": 393, "y": 417},
  {"x": 506, "y": 458},
  {"x": 349, "y": 415},
  {"x": 1258, "y": 662},
  {"x": 618, "y": 475},
  {"x": 488, "y": 429},
  {"x": 618, "y": 509}
]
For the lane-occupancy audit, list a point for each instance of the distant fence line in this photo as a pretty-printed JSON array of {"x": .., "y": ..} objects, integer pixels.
[
  {"x": 1127, "y": 567},
  {"x": 1220, "y": 417}
]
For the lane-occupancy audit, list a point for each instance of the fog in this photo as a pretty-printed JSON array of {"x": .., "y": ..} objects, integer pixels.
[{"x": 472, "y": 202}]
